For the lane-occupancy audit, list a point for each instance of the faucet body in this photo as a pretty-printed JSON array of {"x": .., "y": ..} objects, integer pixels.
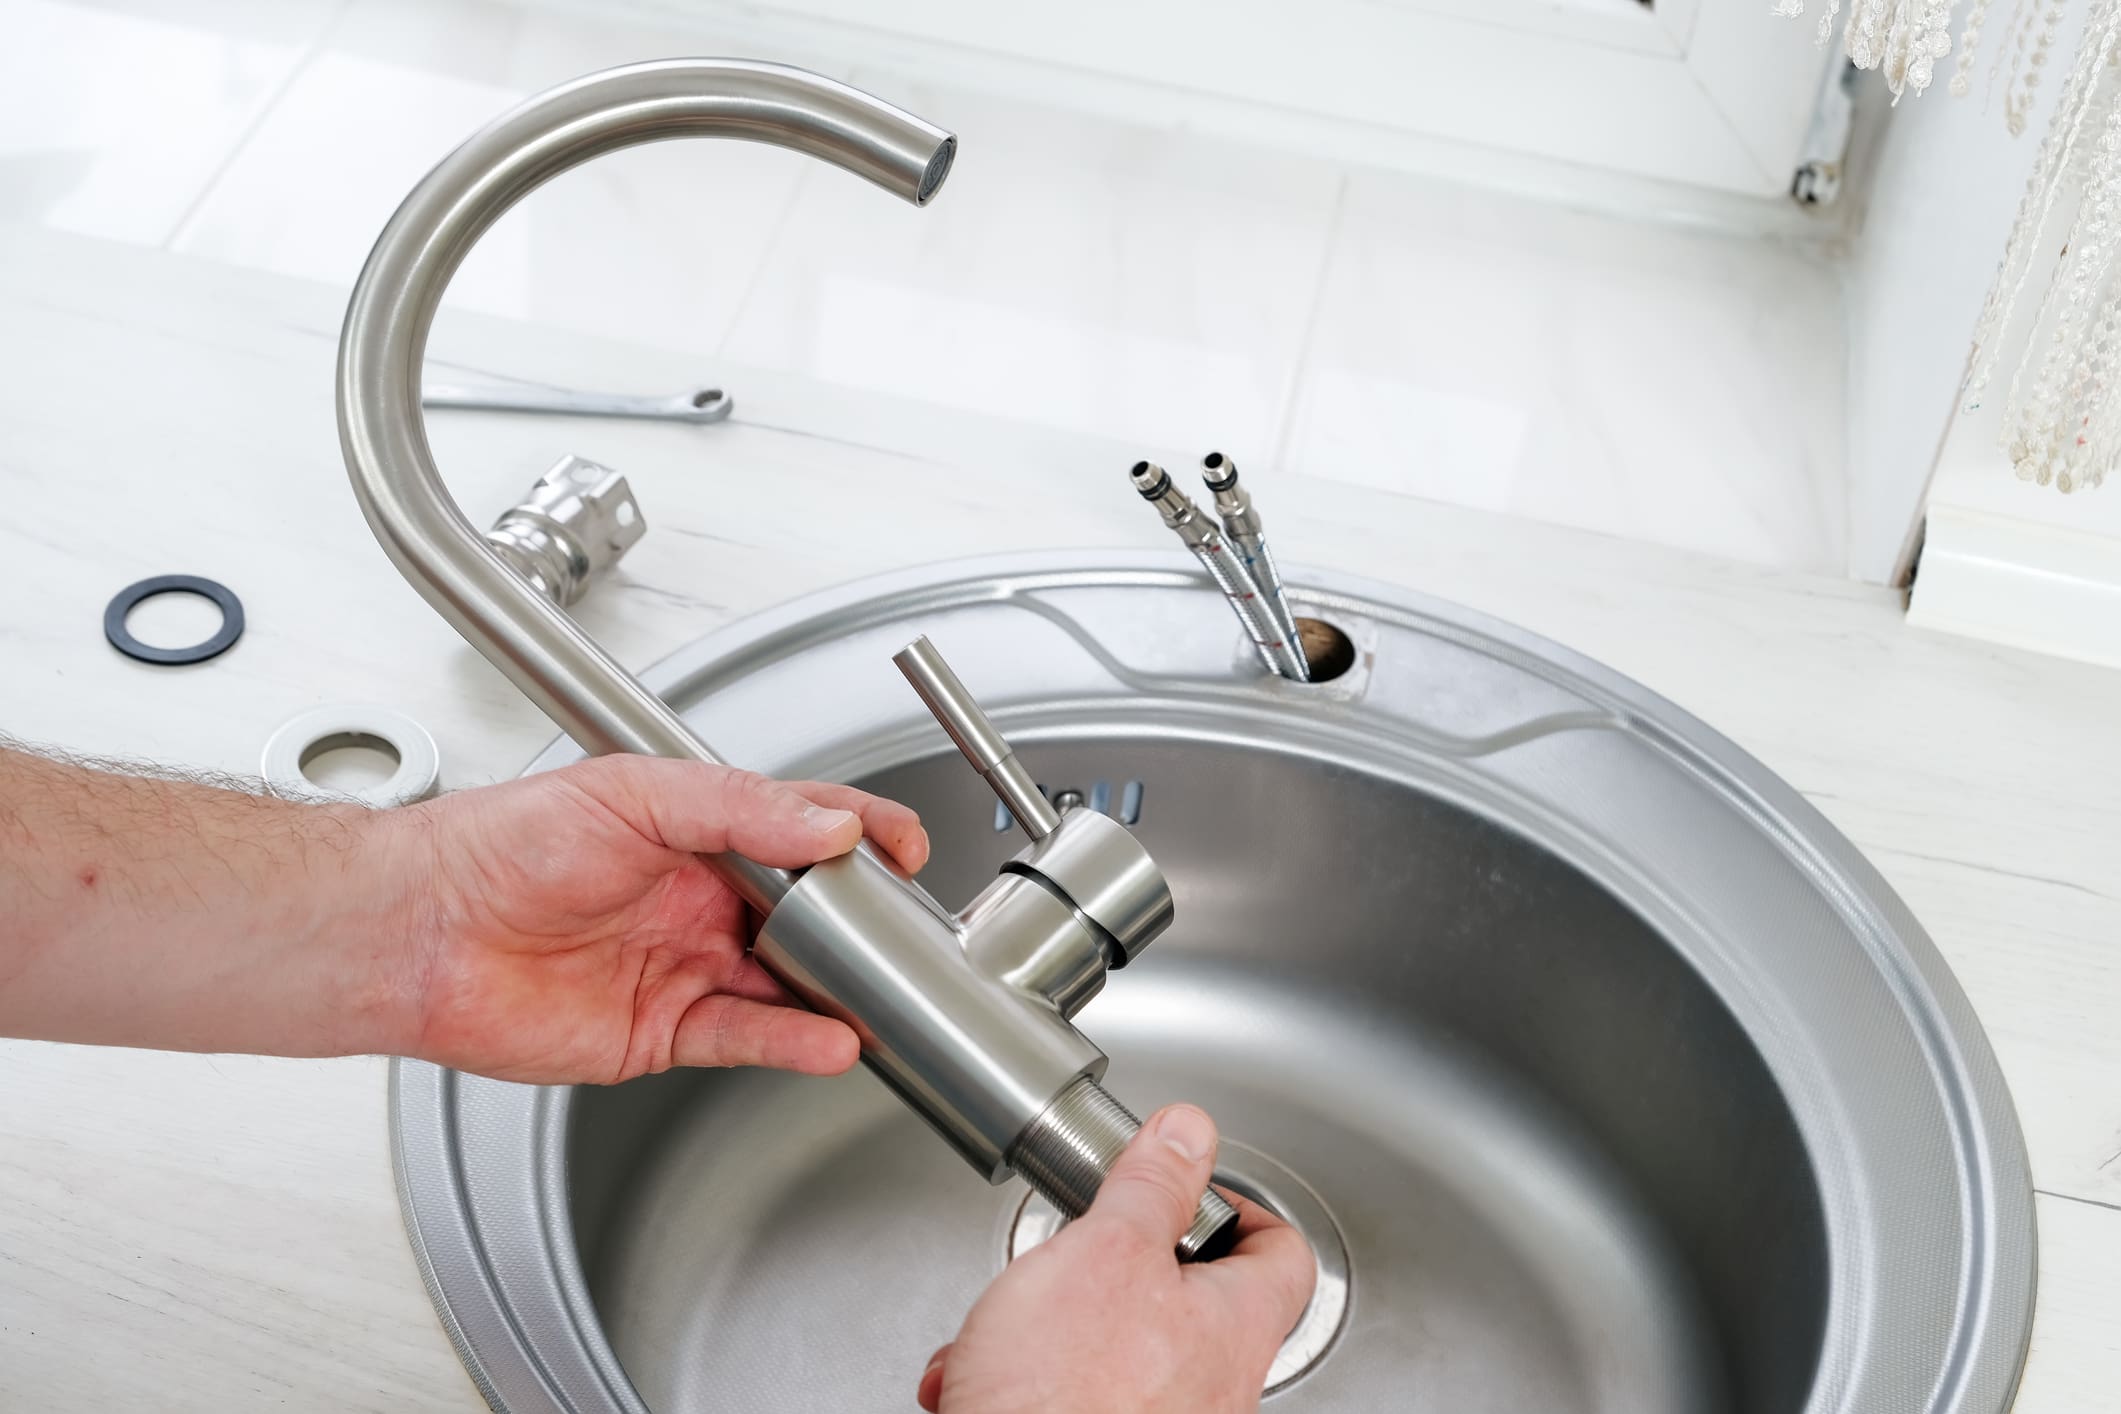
[{"x": 965, "y": 1015}]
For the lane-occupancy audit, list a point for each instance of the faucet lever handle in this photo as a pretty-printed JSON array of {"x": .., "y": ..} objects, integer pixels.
[{"x": 987, "y": 749}]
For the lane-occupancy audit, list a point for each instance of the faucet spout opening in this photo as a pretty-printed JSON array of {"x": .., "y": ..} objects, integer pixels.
[{"x": 938, "y": 171}]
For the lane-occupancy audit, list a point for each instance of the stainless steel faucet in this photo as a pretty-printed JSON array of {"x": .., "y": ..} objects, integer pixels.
[{"x": 966, "y": 1015}]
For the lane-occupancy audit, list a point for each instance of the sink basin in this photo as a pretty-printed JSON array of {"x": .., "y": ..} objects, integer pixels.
[{"x": 1602, "y": 1074}]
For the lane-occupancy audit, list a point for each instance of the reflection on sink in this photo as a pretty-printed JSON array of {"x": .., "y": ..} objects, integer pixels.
[
  {"x": 1608, "y": 1074},
  {"x": 1565, "y": 1179}
]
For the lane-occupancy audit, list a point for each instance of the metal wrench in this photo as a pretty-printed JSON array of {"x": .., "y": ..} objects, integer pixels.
[{"x": 699, "y": 405}]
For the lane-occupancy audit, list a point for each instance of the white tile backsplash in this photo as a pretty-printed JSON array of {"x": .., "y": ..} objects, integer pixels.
[
  {"x": 1074, "y": 272},
  {"x": 114, "y": 118},
  {"x": 1138, "y": 282},
  {"x": 1643, "y": 380},
  {"x": 655, "y": 245}
]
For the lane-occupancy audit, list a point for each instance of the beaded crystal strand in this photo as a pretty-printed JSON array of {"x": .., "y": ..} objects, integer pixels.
[
  {"x": 1932, "y": 41},
  {"x": 1864, "y": 39},
  {"x": 1826, "y": 21},
  {"x": 2097, "y": 396},
  {"x": 2057, "y": 156},
  {"x": 2096, "y": 425},
  {"x": 2018, "y": 103},
  {"x": 1969, "y": 39},
  {"x": 1905, "y": 38},
  {"x": 2011, "y": 49},
  {"x": 2043, "y": 429},
  {"x": 2051, "y": 430}
]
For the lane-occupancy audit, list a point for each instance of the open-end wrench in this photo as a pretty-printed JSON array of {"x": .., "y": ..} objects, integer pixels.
[{"x": 699, "y": 405}]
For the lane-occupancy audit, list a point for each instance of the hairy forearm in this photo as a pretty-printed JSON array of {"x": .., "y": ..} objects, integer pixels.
[{"x": 187, "y": 916}]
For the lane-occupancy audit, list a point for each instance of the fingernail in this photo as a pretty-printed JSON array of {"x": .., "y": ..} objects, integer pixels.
[
  {"x": 825, "y": 820},
  {"x": 1188, "y": 1133},
  {"x": 934, "y": 1363}
]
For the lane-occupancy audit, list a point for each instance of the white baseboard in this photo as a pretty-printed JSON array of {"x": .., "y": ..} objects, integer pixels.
[{"x": 2021, "y": 583}]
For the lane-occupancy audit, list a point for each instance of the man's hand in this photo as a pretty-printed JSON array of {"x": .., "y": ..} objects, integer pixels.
[
  {"x": 1101, "y": 1317},
  {"x": 560, "y": 928},
  {"x": 563, "y": 928}
]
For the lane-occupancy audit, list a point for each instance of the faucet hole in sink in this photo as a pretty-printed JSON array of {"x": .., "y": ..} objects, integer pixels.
[{"x": 1329, "y": 651}]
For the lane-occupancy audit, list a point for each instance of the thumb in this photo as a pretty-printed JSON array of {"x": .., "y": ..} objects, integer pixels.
[{"x": 1155, "y": 1184}]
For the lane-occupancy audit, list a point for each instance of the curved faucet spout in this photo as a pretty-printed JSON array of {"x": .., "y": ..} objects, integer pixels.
[{"x": 381, "y": 427}]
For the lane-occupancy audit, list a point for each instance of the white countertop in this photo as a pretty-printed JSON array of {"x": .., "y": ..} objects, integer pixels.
[{"x": 220, "y": 1233}]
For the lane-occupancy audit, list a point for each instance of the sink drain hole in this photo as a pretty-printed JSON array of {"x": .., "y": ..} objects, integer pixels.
[
  {"x": 1248, "y": 1172},
  {"x": 1329, "y": 651}
]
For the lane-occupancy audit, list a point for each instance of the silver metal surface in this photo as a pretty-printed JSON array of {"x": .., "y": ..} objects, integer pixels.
[
  {"x": 976, "y": 1056},
  {"x": 975, "y": 736},
  {"x": 693, "y": 405},
  {"x": 1020, "y": 931},
  {"x": 578, "y": 521},
  {"x": 381, "y": 432},
  {"x": 1069, "y": 1149},
  {"x": 1095, "y": 863},
  {"x": 1181, "y": 516},
  {"x": 307, "y": 735},
  {"x": 1248, "y": 537},
  {"x": 1625, "y": 1083}
]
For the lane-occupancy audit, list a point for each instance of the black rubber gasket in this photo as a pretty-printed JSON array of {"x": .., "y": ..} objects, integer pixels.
[{"x": 128, "y": 598}]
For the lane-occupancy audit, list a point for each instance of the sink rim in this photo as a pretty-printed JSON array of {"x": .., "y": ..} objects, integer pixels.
[{"x": 484, "y": 1306}]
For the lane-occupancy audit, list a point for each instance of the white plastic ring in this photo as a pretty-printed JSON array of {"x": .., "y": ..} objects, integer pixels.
[{"x": 302, "y": 737}]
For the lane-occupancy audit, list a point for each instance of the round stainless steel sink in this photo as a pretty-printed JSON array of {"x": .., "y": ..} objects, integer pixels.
[{"x": 1602, "y": 1072}]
